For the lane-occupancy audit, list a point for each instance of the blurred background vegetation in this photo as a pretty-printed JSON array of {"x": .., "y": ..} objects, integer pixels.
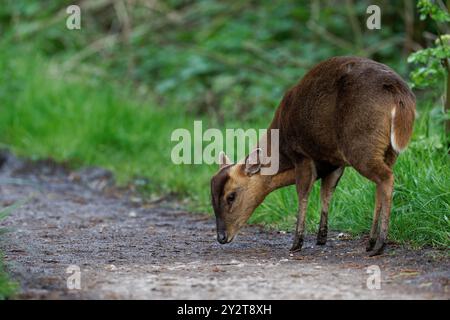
[
  {"x": 111, "y": 93},
  {"x": 220, "y": 58}
]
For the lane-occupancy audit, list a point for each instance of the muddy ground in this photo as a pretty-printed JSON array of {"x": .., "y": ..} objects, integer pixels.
[{"x": 130, "y": 248}]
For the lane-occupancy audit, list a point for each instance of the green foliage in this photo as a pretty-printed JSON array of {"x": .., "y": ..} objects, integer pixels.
[
  {"x": 432, "y": 66},
  {"x": 88, "y": 122},
  {"x": 430, "y": 71},
  {"x": 432, "y": 9},
  {"x": 221, "y": 59}
]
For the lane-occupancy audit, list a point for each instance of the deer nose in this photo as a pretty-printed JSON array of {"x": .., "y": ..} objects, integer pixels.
[{"x": 222, "y": 237}]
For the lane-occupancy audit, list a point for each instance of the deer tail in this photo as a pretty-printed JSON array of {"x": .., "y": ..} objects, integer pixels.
[{"x": 402, "y": 119}]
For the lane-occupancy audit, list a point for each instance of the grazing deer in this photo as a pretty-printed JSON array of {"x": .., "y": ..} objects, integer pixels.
[{"x": 346, "y": 111}]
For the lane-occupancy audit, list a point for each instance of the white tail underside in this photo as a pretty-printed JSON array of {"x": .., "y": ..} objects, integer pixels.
[{"x": 393, "y": 141}]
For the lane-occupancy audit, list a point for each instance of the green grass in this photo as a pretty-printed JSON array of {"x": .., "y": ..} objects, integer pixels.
[
  {"x": 89, "y": 121},
  {"x": 7, "y": 287}
]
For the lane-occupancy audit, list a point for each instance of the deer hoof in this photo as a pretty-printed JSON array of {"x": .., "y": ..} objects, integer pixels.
[
  {"x": 322, "y": 237},
  {"x": 371, "y": 244},
  {"x": 378, "y": 249},
  {"x": 297, "y": 245}
]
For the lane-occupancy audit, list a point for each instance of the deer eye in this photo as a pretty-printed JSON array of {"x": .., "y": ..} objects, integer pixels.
[{"x": 231, "y": 197}]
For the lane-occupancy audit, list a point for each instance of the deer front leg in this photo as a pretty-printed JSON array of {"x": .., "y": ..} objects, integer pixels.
[{"x": 305, "y": 175}]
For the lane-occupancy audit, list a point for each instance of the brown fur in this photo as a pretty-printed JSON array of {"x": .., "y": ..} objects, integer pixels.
[{"x": 338, "y": 115}]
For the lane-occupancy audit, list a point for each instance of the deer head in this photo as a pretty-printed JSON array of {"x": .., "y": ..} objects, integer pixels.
[{"x": 236, "y": 191}]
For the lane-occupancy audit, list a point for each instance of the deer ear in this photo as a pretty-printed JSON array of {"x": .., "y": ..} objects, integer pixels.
[
  {"x": 253, "y": 162},
  {"x": 223, "y": 160}
]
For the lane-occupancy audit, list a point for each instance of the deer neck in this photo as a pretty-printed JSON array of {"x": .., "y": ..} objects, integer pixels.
[{"x": 279, "y": 180}]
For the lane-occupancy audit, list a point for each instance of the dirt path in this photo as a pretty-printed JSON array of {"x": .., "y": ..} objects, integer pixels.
[{"x": 128, "y": 248}]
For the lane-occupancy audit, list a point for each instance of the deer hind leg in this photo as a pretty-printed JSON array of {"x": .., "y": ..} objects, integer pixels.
[
  {"x": 381, "y": 173},
  {"x": 389, "y": 160},
  {"x": 305, "y": 175},
  {"x": 375, "y": 222},
  {"x": 326, "y": 191},
  {"x": 384, "y": 188}
]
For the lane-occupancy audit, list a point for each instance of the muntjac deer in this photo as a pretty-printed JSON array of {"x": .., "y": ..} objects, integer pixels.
[{"x": 346, "y": 111}]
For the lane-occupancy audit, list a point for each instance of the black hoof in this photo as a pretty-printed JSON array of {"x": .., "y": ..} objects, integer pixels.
[
  {"x": 377, "y": 250},
  {"x": 371, "y": 244},
  {"x": 322, "y": 237},
  {"x": 297, "y": 245}
]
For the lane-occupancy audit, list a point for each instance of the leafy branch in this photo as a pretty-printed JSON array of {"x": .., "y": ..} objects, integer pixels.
[{"x": 432, "y": 64}]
